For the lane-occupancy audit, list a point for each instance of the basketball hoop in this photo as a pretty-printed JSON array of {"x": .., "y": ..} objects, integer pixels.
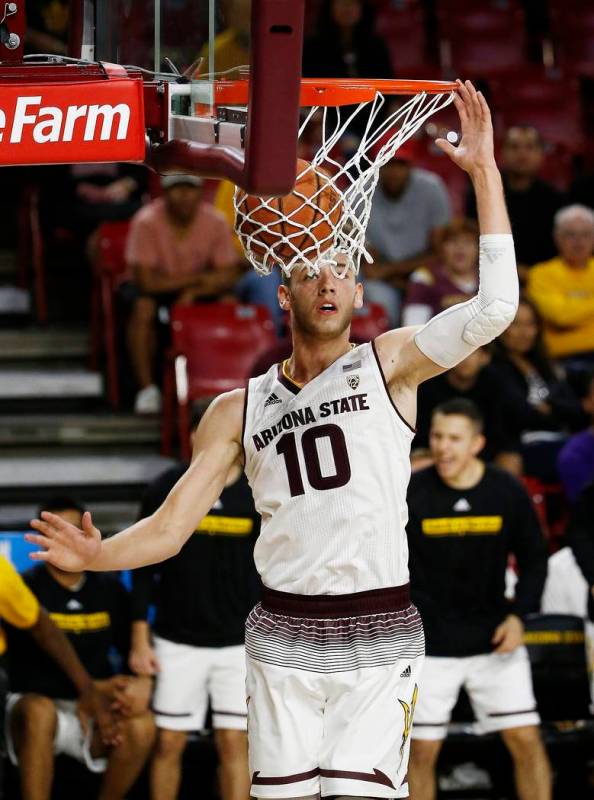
[{"x": 273, "y": 233}]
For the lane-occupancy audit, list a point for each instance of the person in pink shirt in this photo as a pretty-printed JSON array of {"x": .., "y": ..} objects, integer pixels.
[
  {"x": 179, "y": 250},
  {"x": 453, "y": 279}
]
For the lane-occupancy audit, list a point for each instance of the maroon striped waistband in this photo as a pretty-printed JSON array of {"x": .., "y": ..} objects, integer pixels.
[{"x": 376, "y": 601}]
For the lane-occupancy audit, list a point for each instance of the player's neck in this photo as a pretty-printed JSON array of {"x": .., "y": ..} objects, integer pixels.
[
  {"x": 310, "y": 357},
  {"x": 69, "y": 580}
]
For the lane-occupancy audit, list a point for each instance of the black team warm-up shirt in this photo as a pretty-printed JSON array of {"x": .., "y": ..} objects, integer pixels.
[
  {"x": 204, "y": 594},
  {"x": 459, "y": 543},
  {"x": 96, "y": 619}
]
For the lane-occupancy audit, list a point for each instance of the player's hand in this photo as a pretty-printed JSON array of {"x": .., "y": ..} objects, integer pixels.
[
  {"x": 131, "y": 694},
  {"x": 97, "y": 705},
  {"x": 63, "y": 544},
  {"x": 509, "y": 635},
  {"x": 143, "y": 660},
  {"x": 475, "y": 151}
]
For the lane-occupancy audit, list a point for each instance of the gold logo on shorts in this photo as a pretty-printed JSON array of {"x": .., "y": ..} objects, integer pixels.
[{"x": 409, "y": 712}]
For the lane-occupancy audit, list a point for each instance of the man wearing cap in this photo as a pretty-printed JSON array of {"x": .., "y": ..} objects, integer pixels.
[
  {"x": 180, "y": 249},
  {"x": 410, "y": 207}
]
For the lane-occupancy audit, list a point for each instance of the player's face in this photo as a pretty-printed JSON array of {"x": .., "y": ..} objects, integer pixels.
[
  {"x": 575, "y": 239},
  {"x": 460, "y": 254},
  {"x": 454, "y": 441},
  {"x": 521, "y": 335},
  {"x": 321, "y": 305}
]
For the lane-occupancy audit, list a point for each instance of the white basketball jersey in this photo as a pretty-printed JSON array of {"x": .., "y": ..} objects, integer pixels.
[{"x": 329, "y": 466}]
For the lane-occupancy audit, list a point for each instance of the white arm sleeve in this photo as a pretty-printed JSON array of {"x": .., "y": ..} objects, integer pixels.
[{"x": 455, "y": 333}]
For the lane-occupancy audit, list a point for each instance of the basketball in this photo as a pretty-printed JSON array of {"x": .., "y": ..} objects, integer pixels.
[{"x": 306, "y": 217}]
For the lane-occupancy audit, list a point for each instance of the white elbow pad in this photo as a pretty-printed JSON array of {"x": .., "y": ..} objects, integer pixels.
[{"x": 452, "y": 335}]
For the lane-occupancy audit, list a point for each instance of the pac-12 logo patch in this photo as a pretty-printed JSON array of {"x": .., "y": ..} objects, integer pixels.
[{"x": 353, "y": 381}]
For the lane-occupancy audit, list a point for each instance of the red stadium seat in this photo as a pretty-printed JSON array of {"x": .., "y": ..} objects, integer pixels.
[
  {"x": 213, "y": 348},
  {"x": 481, "y": 39},
  {"x": 572, "y": 33},
  {"x": 369, "y": 322},
  {"x": 402, "y": 25},
  {"x": 109, "y": 265},
  {"x": 548, "y": 101}
]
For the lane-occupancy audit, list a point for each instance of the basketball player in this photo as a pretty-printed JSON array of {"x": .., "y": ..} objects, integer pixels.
[{"x": 335, "y": 648}]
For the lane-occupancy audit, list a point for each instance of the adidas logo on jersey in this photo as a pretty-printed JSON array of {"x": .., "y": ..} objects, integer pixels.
[
  {"x": 462, "y": 505},
  {"x": 272, "y": 400},
  {"x": 407, "y": 672},
  {"x": 73, "y": 605}
]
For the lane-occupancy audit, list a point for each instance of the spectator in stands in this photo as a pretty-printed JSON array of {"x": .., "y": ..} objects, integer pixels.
[
  {"x": 465, "y": 518},
  {"x": 453, "y": 279},
  {"x": 473, "y": 380},
  {"x": 531, "y": 202},
  {"x": 576, "y": 459},
  {"x": 537, "y": 398},
  {"x": 20, "y": 608},
  {"x": 232, "y": 44},
  {"x": 48, "y": 24},
  {"x": 93, "y": 611},
  {"x": 563, "y": 288},
  {"x": 345, "y": 44},
  {"x": 580, "y": 536},
  {"x": 410, "y": 209},
  {"x": 203, "y": 597},
  {"x": 180, "y": 250}
]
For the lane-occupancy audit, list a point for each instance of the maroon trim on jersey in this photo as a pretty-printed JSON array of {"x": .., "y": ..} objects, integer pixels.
[
  {"x": 288, "y": 384},
  {"x": 299, "y": 776},
  {"x": 371, "y": 777},
  {"x": 324, "y": 606},
  {"x": 393, "y": 404},
  {"x": 244, "y": 422},
  {"x": 510, "y": 713}
]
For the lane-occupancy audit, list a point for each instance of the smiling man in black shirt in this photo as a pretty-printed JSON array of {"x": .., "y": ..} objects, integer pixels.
[{"x": 466, "y": 518}]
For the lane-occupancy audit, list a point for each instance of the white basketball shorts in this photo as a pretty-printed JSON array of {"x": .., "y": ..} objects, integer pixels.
[
  {"x": 499, "y": 687},
  {"x": 332, "y": 686},
  {"x": 189, "y": 676},
  {"x": 70, "y": 738}
]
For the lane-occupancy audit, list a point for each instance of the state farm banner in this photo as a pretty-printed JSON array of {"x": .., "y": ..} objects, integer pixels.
[{"x": 69, "y": 123}]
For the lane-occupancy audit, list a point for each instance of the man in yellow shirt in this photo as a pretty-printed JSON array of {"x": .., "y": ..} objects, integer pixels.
[
  {"x": 563, "y": 288},
  {"x": 19, "y": 607}
]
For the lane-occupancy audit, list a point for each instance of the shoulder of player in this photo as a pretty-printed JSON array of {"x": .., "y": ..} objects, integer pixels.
[
  {"x": 392, "y": 350},
  {"x": 498, "y": 479},
  {"x": 421, "y": 479},
  {"x": 225, "y": 413}
]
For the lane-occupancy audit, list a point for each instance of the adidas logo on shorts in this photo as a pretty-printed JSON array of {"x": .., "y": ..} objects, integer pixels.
[
  {"x": 272, "y": 400},
  {"x": 406, "y": 673}
]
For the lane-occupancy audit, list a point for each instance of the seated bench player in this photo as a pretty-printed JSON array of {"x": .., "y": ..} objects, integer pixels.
[{"x": 42, "y": 720}]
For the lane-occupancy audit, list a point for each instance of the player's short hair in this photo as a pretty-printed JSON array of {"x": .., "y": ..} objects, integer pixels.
[
  {"x": 62, "y": 502},
  {"x": 461, "y": 407}
]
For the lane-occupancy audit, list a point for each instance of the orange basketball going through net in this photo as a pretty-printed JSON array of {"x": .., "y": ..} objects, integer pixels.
[{"x": 284, "y": 226}]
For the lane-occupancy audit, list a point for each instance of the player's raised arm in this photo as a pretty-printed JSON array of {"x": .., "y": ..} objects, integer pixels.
[
  {"x": 416, "y": 354},
  {"x": 217, "y": 450}
]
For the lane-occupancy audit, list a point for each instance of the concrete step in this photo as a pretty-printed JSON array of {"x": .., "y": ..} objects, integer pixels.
[
  {"x": 95, "y": 477},
  {"x": 30, "y": 383},
  {"x": 78, "y": 430},
  {"x": 109, "y": 517},
  {"x": 43, "y": 344}
]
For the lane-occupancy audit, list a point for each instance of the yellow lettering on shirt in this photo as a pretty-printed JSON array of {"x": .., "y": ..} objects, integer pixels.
[
  {"x": 226, "y": 526},
  {"x": 462, "y": 526},
  {"x": 82, "y": 623},
  {"x": 554, "y": 637}
]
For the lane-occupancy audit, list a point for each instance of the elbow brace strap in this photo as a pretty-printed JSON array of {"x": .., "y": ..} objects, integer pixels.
[{"x": 451, "y": 336}]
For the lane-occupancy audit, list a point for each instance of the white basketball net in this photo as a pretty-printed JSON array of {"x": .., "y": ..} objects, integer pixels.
[{"x": 338, "y": 243}]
